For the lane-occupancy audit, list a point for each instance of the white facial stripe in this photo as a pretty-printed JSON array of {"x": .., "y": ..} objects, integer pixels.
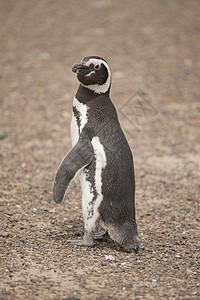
[
  {"x": 89, "y": 73},
  {"x": 96, "y": 87}
]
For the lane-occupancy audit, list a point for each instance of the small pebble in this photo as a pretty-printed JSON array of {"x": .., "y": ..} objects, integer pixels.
[
  {"x": 109, "y": 257},
  {"x": 4, "y": 234},
  {"x": 2, "y": 134}
]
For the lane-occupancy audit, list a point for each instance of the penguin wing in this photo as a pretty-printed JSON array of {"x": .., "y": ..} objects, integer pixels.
[{"x": 78, "y": 157}]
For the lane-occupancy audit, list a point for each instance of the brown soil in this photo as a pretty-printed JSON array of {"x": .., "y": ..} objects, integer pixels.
[{"x": 153, "y": 49}]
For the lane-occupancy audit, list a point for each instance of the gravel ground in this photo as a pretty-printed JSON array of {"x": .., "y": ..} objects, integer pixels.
[{"x": 153, "y": 49}]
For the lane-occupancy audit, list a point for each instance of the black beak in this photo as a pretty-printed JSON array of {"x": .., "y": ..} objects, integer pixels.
[{"x": 79, "y": 68}]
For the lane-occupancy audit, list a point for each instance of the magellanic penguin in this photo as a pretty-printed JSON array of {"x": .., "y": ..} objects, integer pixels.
[{"x": 102, "y": 156}]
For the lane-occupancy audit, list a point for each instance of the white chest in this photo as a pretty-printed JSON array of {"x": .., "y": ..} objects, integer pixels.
[
  {"x": 92, "y": 194},
  {"x": 79, "y": 120},
  {"x": 90, "y": 199}
]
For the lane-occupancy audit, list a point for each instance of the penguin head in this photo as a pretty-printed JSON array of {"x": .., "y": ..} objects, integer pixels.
[{"x": 93, "y": 73}]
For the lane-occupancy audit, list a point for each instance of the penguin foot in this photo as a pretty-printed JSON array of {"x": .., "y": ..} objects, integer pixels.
[
  {"x": 102, "y": 236},
  {"x": 80, "y": 243},
  {"x": 88, "y": 240}
]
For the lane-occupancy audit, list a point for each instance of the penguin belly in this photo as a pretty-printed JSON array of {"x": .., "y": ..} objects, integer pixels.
[
  {"x": 91, "y": 182},
  {"x": 90, "y": 177}
]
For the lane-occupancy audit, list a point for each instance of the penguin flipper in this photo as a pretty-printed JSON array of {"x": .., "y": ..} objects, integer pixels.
[{"x": 78, "y": 157}]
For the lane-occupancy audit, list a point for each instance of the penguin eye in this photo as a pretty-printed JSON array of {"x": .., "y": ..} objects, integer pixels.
[{"x": 97, "y": 67}]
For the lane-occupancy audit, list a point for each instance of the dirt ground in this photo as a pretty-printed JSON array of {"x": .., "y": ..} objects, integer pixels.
[{"x": 153, "y": 49}]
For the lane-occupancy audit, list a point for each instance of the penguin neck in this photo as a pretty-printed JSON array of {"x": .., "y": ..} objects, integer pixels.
[{"x": 85, "y": 95}]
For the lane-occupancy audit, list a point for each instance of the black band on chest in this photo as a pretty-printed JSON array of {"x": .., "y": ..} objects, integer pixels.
[
  {"x": 85, "y": 95},
  {"x": 77, "y": 115}
]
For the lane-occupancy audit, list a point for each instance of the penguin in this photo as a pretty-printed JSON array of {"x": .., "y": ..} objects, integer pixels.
[{"x": 102, "y": 158}]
